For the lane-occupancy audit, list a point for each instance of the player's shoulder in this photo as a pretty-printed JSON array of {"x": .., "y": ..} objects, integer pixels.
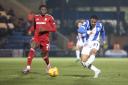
[
  {"x": 49, "y": 15},
  {"x": 86, "y": 23},
  {"x": 37, "y": 15},
  {"x": 99, "y": 24}
]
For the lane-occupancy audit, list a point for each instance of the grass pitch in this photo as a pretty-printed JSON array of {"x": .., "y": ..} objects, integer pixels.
[{"x": 114, "y": 72}]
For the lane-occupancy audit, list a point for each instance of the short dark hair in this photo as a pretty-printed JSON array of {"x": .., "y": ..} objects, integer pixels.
[
  {"x": 79, "y": 21},
  {"x": 43, "y": 5},
  {"x": 94, "y": 17}
]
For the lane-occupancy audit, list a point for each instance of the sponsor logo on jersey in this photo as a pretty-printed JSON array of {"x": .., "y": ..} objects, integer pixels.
[{"x": 40, "y": 22}]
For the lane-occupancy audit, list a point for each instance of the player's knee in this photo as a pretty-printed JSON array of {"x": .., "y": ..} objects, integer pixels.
[
  {"x": 93, "y": 52},
  {"x": 84, "y": 58},
  {"x": 85, "y": 64},
  {"x": 33, "y": 45}
]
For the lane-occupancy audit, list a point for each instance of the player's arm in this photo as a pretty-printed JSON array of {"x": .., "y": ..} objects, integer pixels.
[
  {"x": 82, "y": 33},
  {"x": 103, "y": 34},
  {"x": 52, "y": 24},
  {"x": 76, "y": 48},
  {"x": 82, "y": 30},
  {"x": 32, "y": 28}
]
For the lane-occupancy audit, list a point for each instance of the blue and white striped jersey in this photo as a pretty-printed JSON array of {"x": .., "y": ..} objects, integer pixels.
[
  {"x": 81, "y": 37},
  {"x": 97, "y": 31}
]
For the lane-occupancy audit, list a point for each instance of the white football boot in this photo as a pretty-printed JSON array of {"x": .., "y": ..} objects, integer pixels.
[
  {"x": 26, "y": 70},
  {"x": 97, "y": 74}
]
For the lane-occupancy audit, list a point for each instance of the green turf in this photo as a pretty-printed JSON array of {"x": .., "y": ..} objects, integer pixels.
[{"x": 114, "y": 72}]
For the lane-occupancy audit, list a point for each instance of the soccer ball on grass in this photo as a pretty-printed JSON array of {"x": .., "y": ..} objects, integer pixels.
[{"x": 53, "y": 72}]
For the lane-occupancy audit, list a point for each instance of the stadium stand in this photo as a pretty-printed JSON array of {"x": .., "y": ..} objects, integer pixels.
[{"x": 65, "y": 13}]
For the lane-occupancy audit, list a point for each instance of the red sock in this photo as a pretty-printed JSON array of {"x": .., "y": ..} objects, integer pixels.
[
  {"x": 30, "y": 56},
  {"x": 46, "y": 59}
]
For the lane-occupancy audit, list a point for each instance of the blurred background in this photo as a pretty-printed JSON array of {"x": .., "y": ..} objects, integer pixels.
[{"x": 16, "y": 16}]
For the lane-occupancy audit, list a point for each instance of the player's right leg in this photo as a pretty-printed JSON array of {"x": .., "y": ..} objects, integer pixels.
[
  {"x": 29, "y": 60},
  {"x": 97, "y": 72},
  {"x": 85, "y": 55},
  {"x": 93, "y": 52},
  {"x": 85, "y": 52},
  {"x": 87, "y": 59},
  {"x": 31, "y": 54},
  {"x": 89, "y": 65}
]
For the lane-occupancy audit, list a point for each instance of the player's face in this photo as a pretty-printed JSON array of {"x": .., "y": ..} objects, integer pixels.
[
  {"x": 43, "y": 10},
  {"x": 79, "y": 24},
  {"x": 93, "y": 22}
]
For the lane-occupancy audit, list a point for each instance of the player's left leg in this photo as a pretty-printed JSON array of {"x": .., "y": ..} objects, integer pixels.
[
  {"x": 45, "y": 51},
  {"x": 47, "y": 61},
  {"x": 79, "y": 46},
  {"x": 78, "y": 55}
]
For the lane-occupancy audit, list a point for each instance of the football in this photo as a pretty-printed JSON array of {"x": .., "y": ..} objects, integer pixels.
[{"x": 53, "y": 72}]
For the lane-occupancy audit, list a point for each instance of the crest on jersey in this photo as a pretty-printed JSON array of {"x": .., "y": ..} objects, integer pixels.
[
  {"x": 37, "y": 19},
  {"x": 45, "y": 19}
]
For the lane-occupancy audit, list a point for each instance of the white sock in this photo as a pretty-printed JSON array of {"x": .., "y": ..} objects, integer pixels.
[
  {"x": 78, "y": 54},
  {"x": 85, "y": 64},
  {"x": 28, "y": 67},
  {"x": 91, "y": 59},
  {"x": 89, "y": 62},
  {"x": 90, "y": 66},
  {"x": 93, "y": 68}
]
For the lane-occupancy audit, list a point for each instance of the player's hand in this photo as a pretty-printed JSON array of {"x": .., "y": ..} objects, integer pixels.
[
  {"x": 89, "y": 32},
  {"x": 42, "y": 29},
  {"x": 104, "y": 42},
  {"x": 76, "y": 48},
  {"x": 29, "y": 33}
]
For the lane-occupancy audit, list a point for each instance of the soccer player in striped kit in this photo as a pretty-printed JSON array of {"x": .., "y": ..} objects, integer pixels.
[
  {"x": 93, "y": 29},
  {"x": 81, "y": 39}
]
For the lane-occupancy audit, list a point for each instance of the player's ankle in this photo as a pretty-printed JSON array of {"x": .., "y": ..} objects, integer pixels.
[{"x": 28, "y": 67}]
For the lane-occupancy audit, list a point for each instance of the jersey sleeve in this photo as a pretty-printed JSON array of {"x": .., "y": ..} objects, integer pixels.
[
  {"x": 31, "y": 29},
  {"x": 81, "y": 29},
  {"x": 52, "y": 23},
  {"x": 33, "y": 26},
  {"x": 103, "y": 34}
]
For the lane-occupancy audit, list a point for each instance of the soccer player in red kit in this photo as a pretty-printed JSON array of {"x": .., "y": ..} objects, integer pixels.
[{"x": 42, "y": 26}]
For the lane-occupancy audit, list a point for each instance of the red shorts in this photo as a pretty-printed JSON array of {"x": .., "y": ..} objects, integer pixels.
[{"x": 42, "y": 42}]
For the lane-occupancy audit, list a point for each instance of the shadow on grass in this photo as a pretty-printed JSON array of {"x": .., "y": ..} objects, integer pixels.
[
  {"x": 33, "y": 73},
  {"x": 77, "y": 76}
]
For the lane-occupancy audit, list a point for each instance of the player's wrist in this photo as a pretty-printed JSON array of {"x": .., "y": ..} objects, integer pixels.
[{"x": 29, "y": 33}]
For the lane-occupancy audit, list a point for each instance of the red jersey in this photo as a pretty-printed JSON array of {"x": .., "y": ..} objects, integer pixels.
[{"x": 45, "y": 22}]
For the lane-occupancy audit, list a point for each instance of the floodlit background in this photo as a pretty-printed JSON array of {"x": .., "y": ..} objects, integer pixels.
[
  {"x": 16, "y": 15},
  {"x": 15, "y": 20}
]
